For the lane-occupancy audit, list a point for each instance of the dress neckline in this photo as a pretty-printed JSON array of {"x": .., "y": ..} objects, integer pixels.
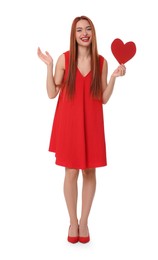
[{"x": 82, "y": 74}]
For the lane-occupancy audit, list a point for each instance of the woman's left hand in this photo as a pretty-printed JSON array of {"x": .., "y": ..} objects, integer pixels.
[{"x": 120, "y": 71}]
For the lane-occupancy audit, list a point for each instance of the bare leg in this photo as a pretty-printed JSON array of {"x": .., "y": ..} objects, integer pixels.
[
  {"x": 71, "y": 194},
  {"x": 88, "y": 192}
]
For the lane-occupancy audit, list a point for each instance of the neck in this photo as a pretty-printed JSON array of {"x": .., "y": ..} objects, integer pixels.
[{"x": 83, "y": 52}]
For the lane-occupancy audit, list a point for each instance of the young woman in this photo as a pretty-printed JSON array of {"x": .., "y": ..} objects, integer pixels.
[{"x": 77, "y": 137}]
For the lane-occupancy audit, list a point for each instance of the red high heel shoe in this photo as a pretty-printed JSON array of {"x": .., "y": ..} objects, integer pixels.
[
  {"x": 72, "y": 240},
  {"x": 84, "y": 239}
]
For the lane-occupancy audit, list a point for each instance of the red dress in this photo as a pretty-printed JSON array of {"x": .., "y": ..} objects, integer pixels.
[{"x": 77, "y": 136}]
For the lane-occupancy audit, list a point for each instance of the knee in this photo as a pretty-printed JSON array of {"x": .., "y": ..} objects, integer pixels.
[
  {"x": 72, "y": 174},
  {"x": 88, "y": 173}
]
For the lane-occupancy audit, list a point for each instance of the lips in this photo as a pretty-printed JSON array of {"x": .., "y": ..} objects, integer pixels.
[{"x": 85, "y": 39}]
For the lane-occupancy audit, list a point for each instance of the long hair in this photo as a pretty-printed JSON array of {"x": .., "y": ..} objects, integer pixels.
[{"x": 95, "y": 88}]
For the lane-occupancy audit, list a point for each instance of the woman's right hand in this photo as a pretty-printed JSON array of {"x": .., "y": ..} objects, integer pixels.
[{"x": 46, "y": 58}]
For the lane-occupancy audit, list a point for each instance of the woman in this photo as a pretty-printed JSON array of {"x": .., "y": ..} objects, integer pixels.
[{"x": 77, "y": 137}]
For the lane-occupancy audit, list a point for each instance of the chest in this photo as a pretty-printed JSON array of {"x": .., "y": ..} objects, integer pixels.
[{"x": 84, "y": 66}]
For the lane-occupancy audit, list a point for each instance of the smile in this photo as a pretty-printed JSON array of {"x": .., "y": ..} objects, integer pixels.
[{"x": 85, "y": 39}]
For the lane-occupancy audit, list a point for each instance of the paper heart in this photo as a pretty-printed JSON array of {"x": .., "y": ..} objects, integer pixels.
[{"x": 123, "y": 52}]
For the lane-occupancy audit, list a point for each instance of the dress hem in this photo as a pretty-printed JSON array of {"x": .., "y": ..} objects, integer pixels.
[
  {"x": 97, "y": 165},
  {"x": 80, "y": 167}
]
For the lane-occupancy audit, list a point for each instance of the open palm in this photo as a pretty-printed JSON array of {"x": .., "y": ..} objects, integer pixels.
[{"x": 46, "y": 58}]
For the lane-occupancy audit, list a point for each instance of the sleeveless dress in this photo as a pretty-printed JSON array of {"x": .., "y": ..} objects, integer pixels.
[{"x": 77, "y": 136}]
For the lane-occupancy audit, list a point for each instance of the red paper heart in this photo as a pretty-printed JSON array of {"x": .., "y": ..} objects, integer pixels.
[{"x": 123, "y": 52}]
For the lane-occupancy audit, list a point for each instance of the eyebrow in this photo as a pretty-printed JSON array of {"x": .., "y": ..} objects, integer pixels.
[{"x": 82, "y": 27}]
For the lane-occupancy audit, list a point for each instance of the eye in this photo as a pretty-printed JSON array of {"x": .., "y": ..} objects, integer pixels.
[
  {"x": 89, "y": 28},
  {"x": 78, "y": 30}
]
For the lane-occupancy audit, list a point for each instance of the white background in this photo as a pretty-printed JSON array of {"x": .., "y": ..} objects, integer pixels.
[{"x": 33, "y": 216}]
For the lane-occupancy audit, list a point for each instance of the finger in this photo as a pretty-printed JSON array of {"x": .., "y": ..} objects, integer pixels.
[
  {"x": 122, "y": 65},
  {"x": 47, "y": 53},
  {"x": 123, "y": 72},
  {"x": 38, "y": 50},
  {"x": 122, "y": 69},
  {"x": 42, "y": 57}
]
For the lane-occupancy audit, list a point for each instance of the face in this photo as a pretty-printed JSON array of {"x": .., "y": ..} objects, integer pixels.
[{"x": 83, "y": 33}]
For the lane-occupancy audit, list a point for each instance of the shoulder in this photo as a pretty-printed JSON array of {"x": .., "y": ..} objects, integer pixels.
[
  {"x": 62, "y": 59},
  {"x": 66, "y": 53},
  {"x": 102, "y": 58}
]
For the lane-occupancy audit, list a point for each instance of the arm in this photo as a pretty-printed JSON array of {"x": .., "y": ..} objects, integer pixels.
[
  {"x": 53, "y": 83},
  {"x": 108, "y": 87}
]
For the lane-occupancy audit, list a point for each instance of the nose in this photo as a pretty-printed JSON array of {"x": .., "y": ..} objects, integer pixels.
[{"x": 85, "y": 32}]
